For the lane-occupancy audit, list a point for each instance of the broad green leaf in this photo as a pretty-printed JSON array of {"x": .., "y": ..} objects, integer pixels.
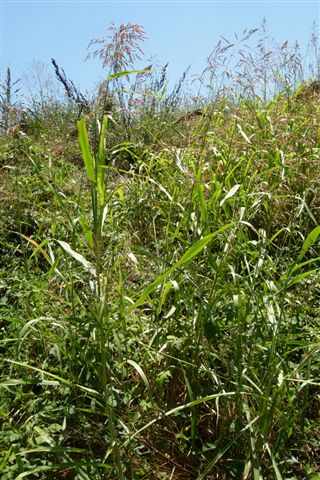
[
  {"x": 87, "y": 231},
  {"x": 198, "y": 190},
  {"x": 100, "y": 175},
  {"x": 309, "y": 241},
  {"x": 5, "y": 458},
  {"x": 85, "y": 150},
  {"x": 165, "y": 291}
]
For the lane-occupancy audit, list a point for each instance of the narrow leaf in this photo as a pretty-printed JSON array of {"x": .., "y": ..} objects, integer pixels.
[
  {"x": 224, "y": 450},
  {"x": 301, "y": 277},
  {"x": 247, "y": 139},
  {"x": 180, "y": 408},
  {"x": 230, "y": 194},
  {"x": 102, "y": 140},
  {"x": 187, "y": 257},
  {"x": 114, "y": 76},
  {"x": 77, "y": 256},
  {"x": 140, "y": 371}
]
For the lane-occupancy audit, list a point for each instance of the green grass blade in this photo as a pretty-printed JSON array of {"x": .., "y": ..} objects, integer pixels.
[
  {"x": 77, "y": 256},
  {"x": 187, "y": 257},
  {"x": 125, "y": 73},
  {"x": 85, "y": 150},
  {"x": 180, "y": 408},
  {"x": 102, "y": 141},
  {"x": 278, "y": 475},
  {"x": 140, "y": 372},
  {"x": 5, "y": 459},
  {"x": 27, "y": 366},
  {"x": 224, "y": 450},
  {"x": 309, "y": 241}
]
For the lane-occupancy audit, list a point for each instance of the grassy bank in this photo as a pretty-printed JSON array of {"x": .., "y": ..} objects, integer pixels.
[{"x": 160, "y": 294}]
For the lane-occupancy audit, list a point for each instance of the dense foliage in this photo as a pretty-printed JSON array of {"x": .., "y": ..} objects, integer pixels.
[{"x": 159, "y": 287}]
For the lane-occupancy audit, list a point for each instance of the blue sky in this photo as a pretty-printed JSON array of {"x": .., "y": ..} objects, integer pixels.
[{"x": 179, "y": 32}]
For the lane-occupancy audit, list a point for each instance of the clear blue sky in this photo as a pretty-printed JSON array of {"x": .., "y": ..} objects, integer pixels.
[{"x": 180, "y": 32}]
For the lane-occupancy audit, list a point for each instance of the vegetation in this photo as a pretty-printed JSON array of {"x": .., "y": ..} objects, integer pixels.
[{"x": 160, "y": 272}]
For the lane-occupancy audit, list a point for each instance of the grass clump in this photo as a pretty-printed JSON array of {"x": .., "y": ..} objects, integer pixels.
[{"x": 160, "y": 320}]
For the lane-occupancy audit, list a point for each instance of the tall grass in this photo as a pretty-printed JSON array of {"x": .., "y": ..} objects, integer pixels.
[{"x": 161, "y": 322}]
